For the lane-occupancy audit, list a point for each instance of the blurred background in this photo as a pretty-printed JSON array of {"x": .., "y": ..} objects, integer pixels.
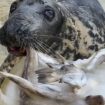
[{"x": 4, "y": 9}]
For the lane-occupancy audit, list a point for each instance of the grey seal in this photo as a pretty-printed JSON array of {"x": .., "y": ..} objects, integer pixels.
[{"x": 69, "y": 28}]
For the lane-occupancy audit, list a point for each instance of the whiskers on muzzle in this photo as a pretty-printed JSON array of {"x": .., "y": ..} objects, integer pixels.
[{"x": 40, "y": 43}]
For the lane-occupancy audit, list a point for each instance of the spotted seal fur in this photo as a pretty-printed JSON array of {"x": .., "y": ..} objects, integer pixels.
[{"x": 71, "y": 28}]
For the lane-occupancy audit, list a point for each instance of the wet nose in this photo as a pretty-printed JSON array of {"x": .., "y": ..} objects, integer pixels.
[
  {"x": 2, "y": 36},
  {"x": 12, "y": 26},
  {"x": 5, "y": 39}
]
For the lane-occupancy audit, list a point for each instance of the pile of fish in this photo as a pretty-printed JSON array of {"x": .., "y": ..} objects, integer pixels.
[{"x": 39, "y": 79}]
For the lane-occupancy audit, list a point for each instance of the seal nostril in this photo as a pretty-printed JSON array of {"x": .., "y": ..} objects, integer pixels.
[
  {"x": 21, "y": 0},
  {"x": 30, "y": 2},
  {"x": 42, "y": 2}
]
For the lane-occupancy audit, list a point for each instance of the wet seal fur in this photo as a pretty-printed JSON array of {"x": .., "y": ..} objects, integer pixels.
[{"x": 72, "y": 28}]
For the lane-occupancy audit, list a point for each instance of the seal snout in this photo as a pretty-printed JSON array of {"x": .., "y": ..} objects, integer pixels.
[
  {"x": 11, "y": 35},
  {"x": 28, "y": 24}
]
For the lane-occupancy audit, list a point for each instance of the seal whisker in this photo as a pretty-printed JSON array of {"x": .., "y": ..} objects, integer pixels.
[
  {"x": 48, "y": 36},
  {"x": 21, "y": 42},
  {"x": 41, "y": 47},
  {"x": 51, "y": 51},
  {"x": 45, "y": 46},
  {"x": 36, "y": 46}
]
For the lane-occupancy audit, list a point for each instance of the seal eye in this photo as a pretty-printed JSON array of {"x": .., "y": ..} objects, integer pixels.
[
  {"x": 13, "y": 7},
  {"x": 49, "y": 13}
]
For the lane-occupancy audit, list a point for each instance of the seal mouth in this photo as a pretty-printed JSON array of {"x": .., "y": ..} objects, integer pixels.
[{"x": 18, "y": 51}]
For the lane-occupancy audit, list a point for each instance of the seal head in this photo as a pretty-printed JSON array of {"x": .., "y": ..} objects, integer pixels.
[
  {"x": 28, "y": 21},
  {"x": 70, "y": 28}
]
